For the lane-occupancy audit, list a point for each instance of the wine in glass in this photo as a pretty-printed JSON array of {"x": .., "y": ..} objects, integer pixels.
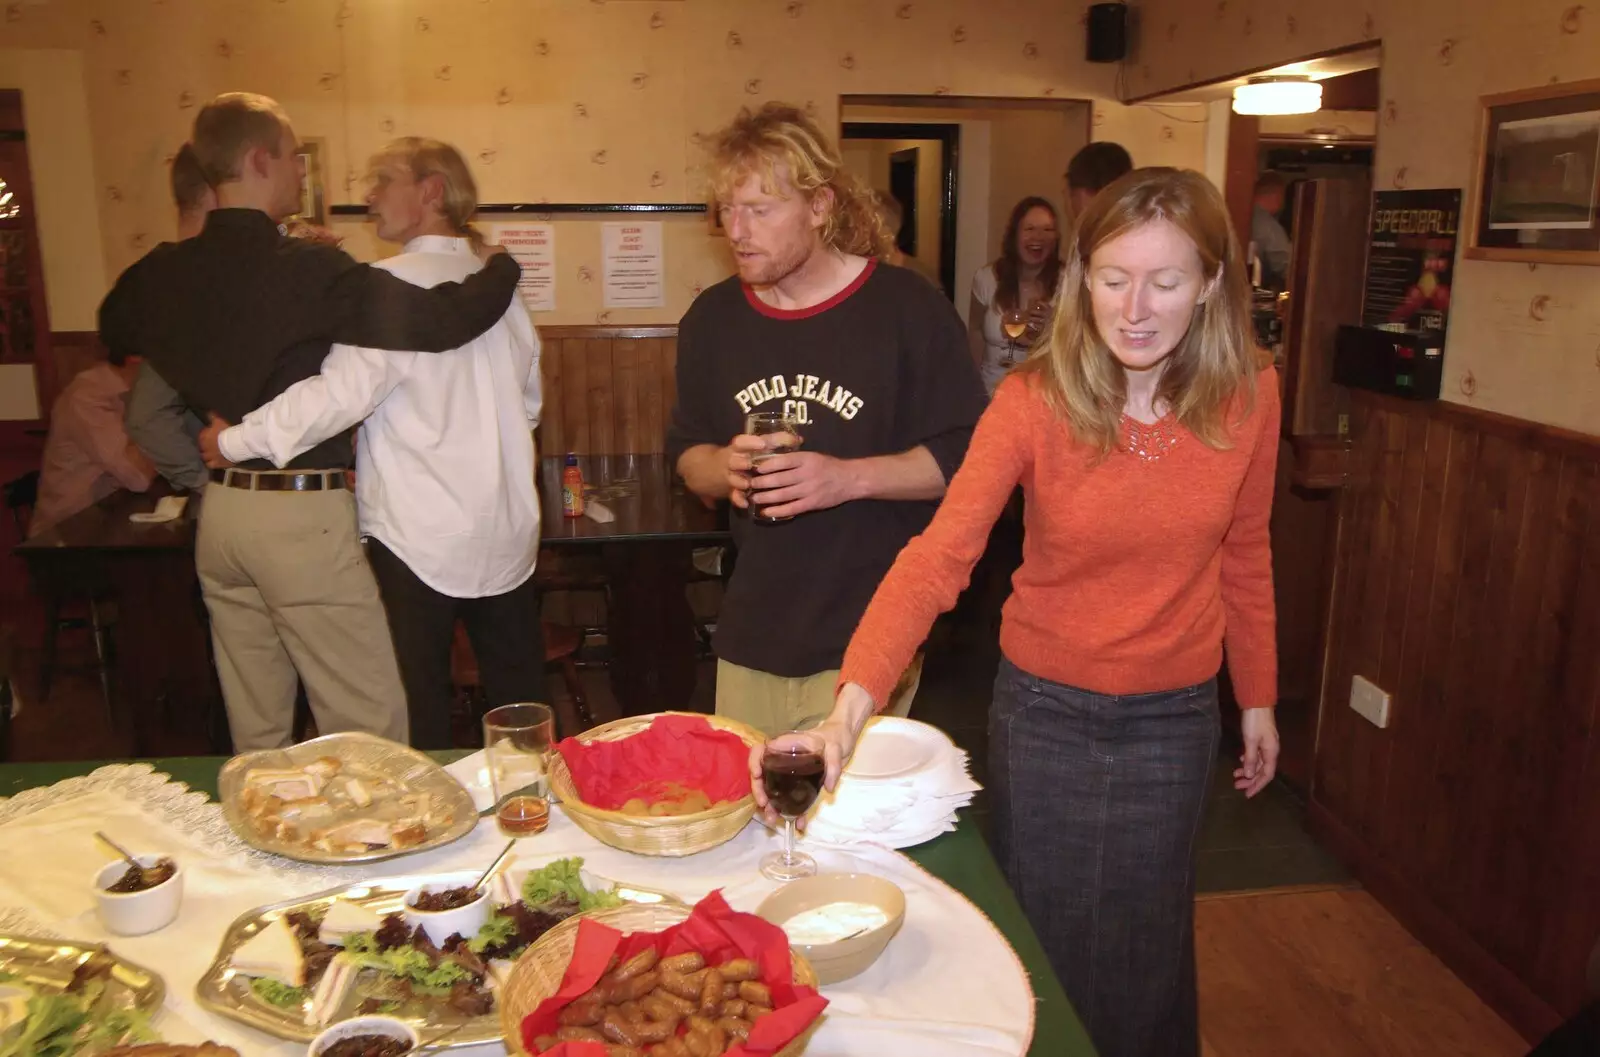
[
  {"x": 792, "y": 778},
  {"x": 782, "y": 432},
  {"x": 1015, "y": 324}
]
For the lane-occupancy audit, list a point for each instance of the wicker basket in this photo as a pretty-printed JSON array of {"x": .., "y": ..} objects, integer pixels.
[
  {"x": 538, "y": 972},
  {"x": 673, "y": 835}
]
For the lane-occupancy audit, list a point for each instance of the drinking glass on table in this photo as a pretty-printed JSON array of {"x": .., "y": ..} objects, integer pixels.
[
  {"x": 791, "y": 774},
  {"x": 782, "y": 434},
  {"x": 1015, "y": 324},
  {"x": 517, "y": 742}
]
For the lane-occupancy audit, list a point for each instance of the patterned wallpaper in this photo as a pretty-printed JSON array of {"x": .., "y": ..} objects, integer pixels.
[
  {"x": 559, "y": 100},
  {"x": 1524, "y": 340}
]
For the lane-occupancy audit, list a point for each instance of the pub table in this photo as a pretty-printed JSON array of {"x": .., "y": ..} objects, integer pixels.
[{"x": 960, "y": 859}]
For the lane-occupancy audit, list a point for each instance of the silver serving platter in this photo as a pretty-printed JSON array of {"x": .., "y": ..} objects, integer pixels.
[
  {"x": 360, "y": 754},
  {"x": 48, "y": 964},
  {"x": 228, "y": 994}
]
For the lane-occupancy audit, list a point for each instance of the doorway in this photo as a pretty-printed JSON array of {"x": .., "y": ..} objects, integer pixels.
[
  {"x": 916, "y": 165},
  {"x": 1000, "y": 151},
  {"x": 903, "y": 186}
]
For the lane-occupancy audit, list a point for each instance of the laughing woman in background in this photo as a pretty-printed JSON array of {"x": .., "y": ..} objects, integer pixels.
[
  {"x": 1015, "y": 290},
  {"x": 1143, "y": 432}
]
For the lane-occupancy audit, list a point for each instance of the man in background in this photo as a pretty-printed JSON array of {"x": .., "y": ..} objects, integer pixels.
[
  {"x": 157, "y": 420},
  {"x": 1094, "y": 167},
  {"x": 1273, "y": 246},
  {"x": 231, "y": 318},
  {"x": 88, "y": 454},
  {"x": 870, "y": 362}
]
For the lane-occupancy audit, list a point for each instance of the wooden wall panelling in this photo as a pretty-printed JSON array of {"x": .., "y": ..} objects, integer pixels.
[
  {"x": 1467, "y": 584},
  {"x": 598, "y": 397},
  {"x": 653, "y": 414},
  {"x": 607, "y": 390},
  {"x": 1566, "y": 819},
  {"x": 552, "y": 433},
  {"x": 627, "y": 434},
  {"x": 575, "y": 394}
]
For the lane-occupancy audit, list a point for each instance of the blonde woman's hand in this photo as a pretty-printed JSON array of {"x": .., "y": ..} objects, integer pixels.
[
  {"x": 835, "y": 738},
  {"x": 1260, "y": 757}
]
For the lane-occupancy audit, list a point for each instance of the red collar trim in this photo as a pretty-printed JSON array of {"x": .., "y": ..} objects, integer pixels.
[{"x": 817, "y": 309}]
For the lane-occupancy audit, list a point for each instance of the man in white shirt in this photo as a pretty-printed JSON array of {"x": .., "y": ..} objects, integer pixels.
[{"x": 445, "y": 460}]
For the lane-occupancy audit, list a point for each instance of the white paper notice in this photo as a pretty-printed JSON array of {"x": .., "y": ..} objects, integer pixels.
[
  {"x": 633, "y": 263},
  {"x": 534, "y": 247}
]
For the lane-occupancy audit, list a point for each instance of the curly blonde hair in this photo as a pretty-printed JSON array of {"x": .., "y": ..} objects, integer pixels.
[
  {"x": 780, "y": 136},
  {"x": 1210, "y": 376}
]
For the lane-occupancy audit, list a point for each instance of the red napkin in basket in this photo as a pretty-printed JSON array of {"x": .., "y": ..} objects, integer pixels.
[
  {"x": 717, "y": 931},
  {"x": 682, "y": 749}
]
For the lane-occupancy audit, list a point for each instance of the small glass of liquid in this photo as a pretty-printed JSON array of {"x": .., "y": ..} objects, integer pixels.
[
  {"x": 517, "y": 741},
  {"x": 782, "y": 434}
]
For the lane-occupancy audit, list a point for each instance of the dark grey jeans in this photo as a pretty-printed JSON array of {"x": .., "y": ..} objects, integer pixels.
[{"x": 1097, "y": 802}]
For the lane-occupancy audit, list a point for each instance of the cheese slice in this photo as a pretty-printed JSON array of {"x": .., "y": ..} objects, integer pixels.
[
  {"x": 345, "y": 917},
  {"x": 274, "y": 953}
]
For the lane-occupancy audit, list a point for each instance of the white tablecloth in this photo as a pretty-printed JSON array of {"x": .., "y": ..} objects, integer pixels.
[{"x": 948, "y": 986}]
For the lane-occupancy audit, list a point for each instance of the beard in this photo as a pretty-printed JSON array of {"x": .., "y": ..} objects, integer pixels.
[{"x": 775, "y": 265}]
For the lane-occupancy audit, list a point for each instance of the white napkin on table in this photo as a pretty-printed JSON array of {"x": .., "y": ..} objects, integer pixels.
[
  {"x": 473, "y": 774},
  {"x": 897, "y": 812}
]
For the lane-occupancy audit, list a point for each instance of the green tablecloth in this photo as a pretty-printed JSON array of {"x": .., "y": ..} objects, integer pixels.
[{"x": 960, "y": 859}]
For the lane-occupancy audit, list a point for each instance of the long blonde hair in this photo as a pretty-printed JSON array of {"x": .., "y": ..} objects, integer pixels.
[
  {"x": 1210, "y": 376},
  {"x": 781, "y": 135},
  {"x": 423, "y": 158}
]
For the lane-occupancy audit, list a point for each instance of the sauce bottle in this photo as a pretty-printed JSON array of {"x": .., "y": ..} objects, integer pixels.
[{"x": 572, "y": 487}]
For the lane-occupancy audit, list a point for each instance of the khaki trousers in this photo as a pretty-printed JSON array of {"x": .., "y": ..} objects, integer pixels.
[
  {"x": 773, "y": 703},
  {"x": 289, "y": 590}
]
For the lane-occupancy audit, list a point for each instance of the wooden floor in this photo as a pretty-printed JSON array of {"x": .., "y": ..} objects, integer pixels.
[{"x": 1330, "y": 974}]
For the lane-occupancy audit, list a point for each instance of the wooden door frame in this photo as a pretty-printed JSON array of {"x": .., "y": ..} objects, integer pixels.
[{"x": 12, "y": 130}]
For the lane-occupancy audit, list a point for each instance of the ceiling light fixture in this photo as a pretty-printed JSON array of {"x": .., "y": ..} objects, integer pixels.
[{"x": 1298, "y": 94}]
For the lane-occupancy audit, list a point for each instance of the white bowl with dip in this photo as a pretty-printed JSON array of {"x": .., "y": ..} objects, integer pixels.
[
  {"x": 440, "y": 925},
  {"x": 841, "y": 922},
  {"x": 136, "y": 913},
  {"x": 349, "y": 1029}
]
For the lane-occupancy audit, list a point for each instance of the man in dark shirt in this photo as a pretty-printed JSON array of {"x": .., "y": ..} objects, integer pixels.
[
  {"x": 231, "y": 318},
  {"x": 870, "y": 362},
  {"x": 158, "y": 421}
]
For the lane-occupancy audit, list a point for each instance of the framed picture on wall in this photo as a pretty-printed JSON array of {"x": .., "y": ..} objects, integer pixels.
[
  {"x": 1537, "y": 186},
  {"x": 313, "y": 203}
]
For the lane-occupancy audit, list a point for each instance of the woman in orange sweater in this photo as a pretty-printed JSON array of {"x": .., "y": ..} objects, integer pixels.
[{"x": 1144, "y": 433}]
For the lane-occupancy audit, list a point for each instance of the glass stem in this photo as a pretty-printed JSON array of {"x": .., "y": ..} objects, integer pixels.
[{"x": 788, "y": 842}]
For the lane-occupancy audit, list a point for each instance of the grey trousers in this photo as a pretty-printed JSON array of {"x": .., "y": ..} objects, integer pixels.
[
  {"x": 290, "y": 591},
  {"x": 1097, "y": 803}
]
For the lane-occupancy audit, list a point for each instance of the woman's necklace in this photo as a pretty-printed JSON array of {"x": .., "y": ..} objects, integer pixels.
[{"x": 1149, "y": 441}]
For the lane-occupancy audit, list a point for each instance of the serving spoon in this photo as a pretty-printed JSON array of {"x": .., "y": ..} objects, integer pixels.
[{"x": 147, "y": 874}]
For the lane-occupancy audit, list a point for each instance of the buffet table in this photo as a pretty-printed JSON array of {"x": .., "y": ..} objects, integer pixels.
[{"x": 226, "y": 882}]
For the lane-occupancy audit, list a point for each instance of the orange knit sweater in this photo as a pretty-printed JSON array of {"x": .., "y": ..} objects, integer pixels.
[{"x": 1133, "y": 574}]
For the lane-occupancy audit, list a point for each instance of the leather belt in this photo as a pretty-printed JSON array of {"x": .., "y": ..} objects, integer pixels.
[{"x": 281, "y": 480}]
